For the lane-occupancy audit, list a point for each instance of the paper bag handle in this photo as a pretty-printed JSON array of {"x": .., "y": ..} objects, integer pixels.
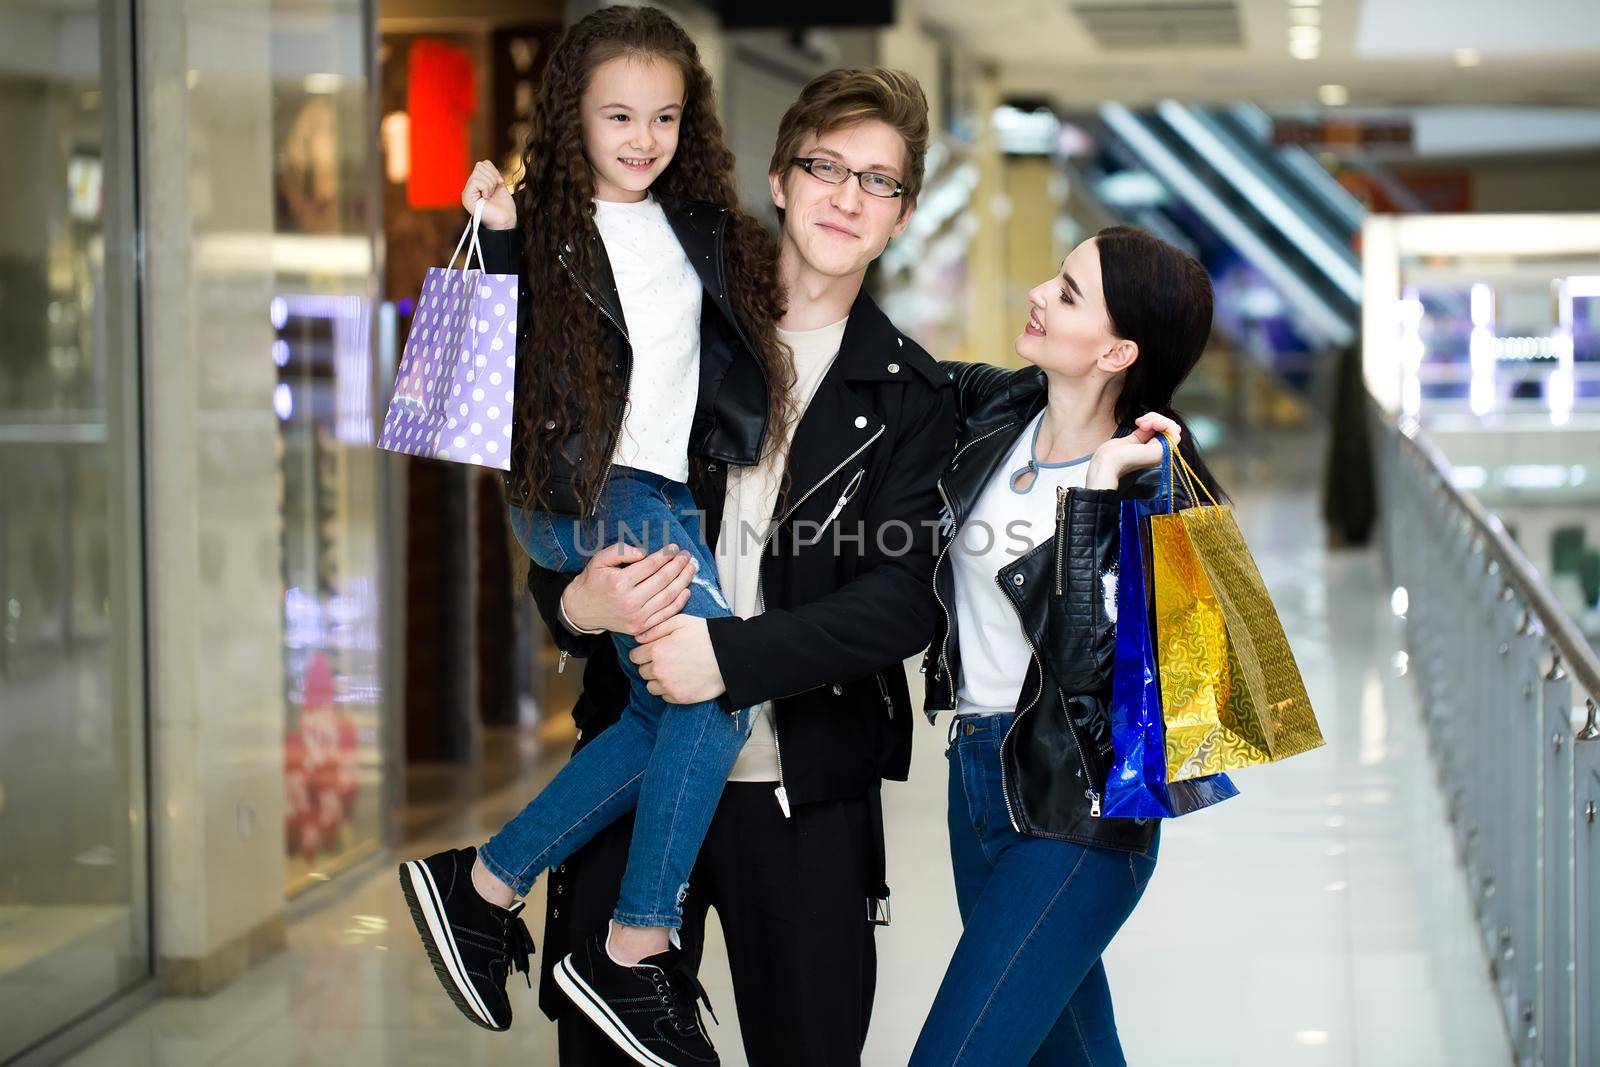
[
  {"x": 1186, "y": 476},
  {"x": 1164, "y": 489},
  {"x": 470, "y": 231}
]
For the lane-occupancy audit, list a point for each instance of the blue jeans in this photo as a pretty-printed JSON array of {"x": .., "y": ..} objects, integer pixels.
[
  {"x": 670, "y": 761},
  {"x": 1026, "y": 983}
]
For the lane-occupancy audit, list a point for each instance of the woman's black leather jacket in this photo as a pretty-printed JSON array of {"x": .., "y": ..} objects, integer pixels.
[{"x": 1057, "y": 751}]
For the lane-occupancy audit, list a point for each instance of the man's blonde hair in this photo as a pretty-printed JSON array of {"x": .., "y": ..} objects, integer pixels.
[{"x": 843, "y": 98}]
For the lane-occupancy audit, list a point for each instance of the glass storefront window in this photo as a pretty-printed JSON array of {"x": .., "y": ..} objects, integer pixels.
[
  {"x": 74, "y": 914},
  {"x": 331, "y": 667},
  {"x": 322, "y": 347}
]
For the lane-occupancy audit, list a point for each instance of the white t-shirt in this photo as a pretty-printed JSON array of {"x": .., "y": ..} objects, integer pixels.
[
  {"x": 660, "y": 294},
  {"x": 1004, "y": 525},
  {"x": 747, "y": 513}
]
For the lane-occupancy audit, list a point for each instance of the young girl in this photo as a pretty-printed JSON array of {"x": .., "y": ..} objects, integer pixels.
[{"x": 647, "y": 331}]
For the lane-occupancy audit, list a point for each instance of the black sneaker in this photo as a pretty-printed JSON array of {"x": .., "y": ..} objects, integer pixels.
[
  {"x": 648, "y": 1009},
  {"x": 472, "y": 943}
]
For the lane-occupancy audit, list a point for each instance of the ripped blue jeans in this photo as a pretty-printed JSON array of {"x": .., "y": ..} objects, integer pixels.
[{"x": 668, "y": 761}]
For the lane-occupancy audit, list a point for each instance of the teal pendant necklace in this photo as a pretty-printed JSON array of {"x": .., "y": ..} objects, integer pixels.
[{"x": 1030, "y": 470}]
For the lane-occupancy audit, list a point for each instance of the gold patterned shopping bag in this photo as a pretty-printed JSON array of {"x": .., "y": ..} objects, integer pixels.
[{"x": 1231, "y": 693}]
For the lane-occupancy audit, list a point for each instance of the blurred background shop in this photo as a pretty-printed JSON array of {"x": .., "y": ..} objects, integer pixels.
[{"x": 246, "y": 659}]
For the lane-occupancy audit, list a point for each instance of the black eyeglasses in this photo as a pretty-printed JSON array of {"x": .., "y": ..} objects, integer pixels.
[{"x": 873, "y": 183}]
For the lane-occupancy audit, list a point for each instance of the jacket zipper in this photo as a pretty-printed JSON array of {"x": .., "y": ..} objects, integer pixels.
[
  {"x": 844, "y": 497},
  {"x": 944, "y": 645},
  {"x": 883, "y": 690},
  {"x": 1083, "y": 761},
  {"x": 782, "y": 792},
  {"x": 626, "y": 386},
  {"x": 1005, "y": 787},
  {"x": 1061, "y": 535}
]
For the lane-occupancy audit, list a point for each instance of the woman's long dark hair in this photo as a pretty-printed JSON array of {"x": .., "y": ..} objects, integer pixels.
[
  {"x": 1159, "y": 297},
  {"x": 565, "y": 381}
]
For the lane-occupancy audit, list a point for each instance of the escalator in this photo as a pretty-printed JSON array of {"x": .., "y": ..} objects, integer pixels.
[
  {"x": 1274, "y": 229},
  {"x": 1322, "y": 202}
]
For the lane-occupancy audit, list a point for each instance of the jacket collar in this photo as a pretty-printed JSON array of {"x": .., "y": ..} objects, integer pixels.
[
  {"x": 1026, "y": 389},
  {"x": 1028, "y": 392},
  {"x": 840, "y": 425},
  {"x": 698, "y": 227},
  {"x": 602, "y": 288},
  {"x": 978, "y": 461},
  {"x": 874, "y": 350}
]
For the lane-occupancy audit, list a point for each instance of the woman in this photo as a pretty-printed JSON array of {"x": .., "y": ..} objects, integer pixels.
[{"x": 1024, "y": 654}]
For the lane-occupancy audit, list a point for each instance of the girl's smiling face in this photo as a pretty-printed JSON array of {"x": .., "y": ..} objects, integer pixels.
[{"x": 631, "y": 110}]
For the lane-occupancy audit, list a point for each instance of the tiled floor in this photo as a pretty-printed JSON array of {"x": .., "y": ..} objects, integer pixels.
[{"x": 1317, "y": 919}]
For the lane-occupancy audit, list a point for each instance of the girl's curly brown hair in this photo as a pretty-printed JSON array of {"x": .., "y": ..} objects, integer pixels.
[{"x": 566, "y": 382}]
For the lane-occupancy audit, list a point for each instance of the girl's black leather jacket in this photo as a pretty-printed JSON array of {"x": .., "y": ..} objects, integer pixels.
[
  {"x": 731, "y": 415},
  {"x": 1057, "y": 751}
]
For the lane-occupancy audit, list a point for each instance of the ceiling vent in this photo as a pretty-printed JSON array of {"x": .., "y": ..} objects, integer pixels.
[{"x": 1199, "y": 24}]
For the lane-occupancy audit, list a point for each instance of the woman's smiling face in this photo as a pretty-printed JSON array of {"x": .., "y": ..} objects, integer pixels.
[{"x": 1068, "y": 331}]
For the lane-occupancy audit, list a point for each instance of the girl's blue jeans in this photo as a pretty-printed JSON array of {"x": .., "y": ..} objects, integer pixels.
[
  {"x": 668, "y": 761},
  {"x": 1026, "y": 984}
]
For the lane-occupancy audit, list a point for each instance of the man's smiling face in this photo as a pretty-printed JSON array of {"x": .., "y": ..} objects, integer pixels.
[{"x": 838, "y": 230}]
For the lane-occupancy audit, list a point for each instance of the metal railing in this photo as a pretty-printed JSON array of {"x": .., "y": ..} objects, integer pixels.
[{"x": 1508, "y": 688}]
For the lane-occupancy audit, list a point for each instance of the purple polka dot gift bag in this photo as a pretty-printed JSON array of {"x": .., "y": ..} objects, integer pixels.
[{"x": 453, "y": 391}]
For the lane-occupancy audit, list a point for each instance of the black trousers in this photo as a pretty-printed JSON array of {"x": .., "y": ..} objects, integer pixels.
[{"x": 792, "y": 896}]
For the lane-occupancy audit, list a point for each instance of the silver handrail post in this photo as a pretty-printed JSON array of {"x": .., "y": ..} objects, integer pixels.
[
  {"x": 1586, "y": 887},
  {"x": 1557, "y": 1002}
]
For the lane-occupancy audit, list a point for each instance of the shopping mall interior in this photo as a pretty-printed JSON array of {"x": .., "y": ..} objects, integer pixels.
[{"x": 248, "y": 660}]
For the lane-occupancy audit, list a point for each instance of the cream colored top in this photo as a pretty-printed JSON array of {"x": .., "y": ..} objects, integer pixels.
[{"x": 746, "y": 515}]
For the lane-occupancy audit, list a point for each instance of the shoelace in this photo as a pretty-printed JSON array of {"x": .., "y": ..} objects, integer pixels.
[
  {"x": 517, "y": 945},
  {"x": 672, "y": 987}
]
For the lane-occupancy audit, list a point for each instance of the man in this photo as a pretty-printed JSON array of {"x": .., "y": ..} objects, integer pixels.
[{"x": 829, "y": 578}]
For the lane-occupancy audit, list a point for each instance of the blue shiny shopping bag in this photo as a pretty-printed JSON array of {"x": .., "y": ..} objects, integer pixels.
[{"x": 1137, "y": 785}]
